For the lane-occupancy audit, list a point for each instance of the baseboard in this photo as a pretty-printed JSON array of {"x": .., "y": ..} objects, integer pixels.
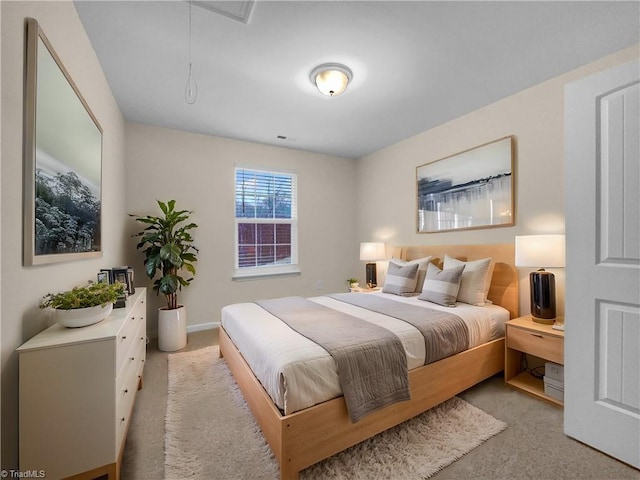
[
  {"x": 202, "y": 326},
  {"x": 190, "y": 328}
]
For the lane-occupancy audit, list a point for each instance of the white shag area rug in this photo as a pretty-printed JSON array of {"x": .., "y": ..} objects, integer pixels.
[{"x": 210, "y": 433}]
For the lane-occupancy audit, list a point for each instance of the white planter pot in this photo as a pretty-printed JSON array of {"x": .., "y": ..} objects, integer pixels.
[
  {"x": 82, "y": 317},
  {"x": 172, "y": 329}
]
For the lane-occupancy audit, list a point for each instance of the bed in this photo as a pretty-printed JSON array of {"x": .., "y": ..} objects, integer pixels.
[{"x": 302, "y": 434}]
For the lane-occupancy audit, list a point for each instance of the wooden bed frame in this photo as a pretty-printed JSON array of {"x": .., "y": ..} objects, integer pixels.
[{"x": 306, "y": 437}]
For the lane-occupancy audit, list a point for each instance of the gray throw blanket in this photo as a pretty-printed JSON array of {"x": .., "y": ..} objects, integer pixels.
[
  {"x": 371, "y": 361},
  {"x": 444, "y": 333}
]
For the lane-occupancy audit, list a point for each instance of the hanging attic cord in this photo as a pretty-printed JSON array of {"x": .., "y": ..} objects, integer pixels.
[{"x": 191, "y": 89}]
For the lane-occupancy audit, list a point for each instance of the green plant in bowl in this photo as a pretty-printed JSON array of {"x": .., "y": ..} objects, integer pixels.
[
  {"x": 90, "y": 295},
  {"x": 84, "y": 305}
]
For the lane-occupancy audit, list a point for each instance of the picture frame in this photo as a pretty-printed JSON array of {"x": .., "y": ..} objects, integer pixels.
[
  {"x": 62, "y": 161},
  {"x": 103, "y": 277},
  {"x": 108, "y": 273},
  {"x": 467, "y": 190},
  {"x": 130, "y": 281},
  {"x": 121, "y": 274}
]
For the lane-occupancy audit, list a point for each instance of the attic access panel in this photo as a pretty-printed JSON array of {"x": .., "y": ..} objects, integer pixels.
[{"x": 236, "y": 10}]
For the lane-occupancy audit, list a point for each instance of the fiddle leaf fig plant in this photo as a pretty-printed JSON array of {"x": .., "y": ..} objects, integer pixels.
[{"x": 167, "y": 245}]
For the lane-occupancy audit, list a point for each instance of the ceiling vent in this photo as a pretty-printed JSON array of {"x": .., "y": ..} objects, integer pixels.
[{"x": 239, "y": 10}]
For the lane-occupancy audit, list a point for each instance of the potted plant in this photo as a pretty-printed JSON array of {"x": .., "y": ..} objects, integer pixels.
[
  {"x": 353, "y": 282},
  {"x": 83, "y": 305},
  {"x": 168, "y": 250}
]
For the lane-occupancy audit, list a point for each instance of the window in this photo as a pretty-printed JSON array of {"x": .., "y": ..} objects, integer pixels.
[{"x": 266, "y": 223}]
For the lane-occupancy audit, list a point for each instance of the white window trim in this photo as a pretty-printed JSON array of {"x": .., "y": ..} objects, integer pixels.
[
  {"x": 254, "y": 273},
  {"x": 266, "y": 271}
]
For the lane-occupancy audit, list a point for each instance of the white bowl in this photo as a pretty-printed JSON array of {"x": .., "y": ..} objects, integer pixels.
[{"x": 82, "y": 317}]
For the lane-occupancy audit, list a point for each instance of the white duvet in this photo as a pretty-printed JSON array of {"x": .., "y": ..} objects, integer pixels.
[{"x": 297, "y": 373}]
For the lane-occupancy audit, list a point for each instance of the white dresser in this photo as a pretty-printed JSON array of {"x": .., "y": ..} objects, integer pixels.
[{"x": 77, "y": 387}]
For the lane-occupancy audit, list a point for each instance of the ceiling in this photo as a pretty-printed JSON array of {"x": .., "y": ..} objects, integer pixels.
[{"x": 416, "y": 64}]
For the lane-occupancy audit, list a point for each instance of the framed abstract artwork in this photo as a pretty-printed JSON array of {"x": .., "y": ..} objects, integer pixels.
[
  {"x": 470, "y": 189},
  {"x": 62, "y": 161}
]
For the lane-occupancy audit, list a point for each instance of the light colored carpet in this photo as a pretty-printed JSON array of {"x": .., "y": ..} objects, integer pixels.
[{"x": 210, "y": 433}]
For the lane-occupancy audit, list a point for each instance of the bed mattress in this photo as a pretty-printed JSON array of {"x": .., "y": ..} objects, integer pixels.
[{"x": 297, "y": 373}]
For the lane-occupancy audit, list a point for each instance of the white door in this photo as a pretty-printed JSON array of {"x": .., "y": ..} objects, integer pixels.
[{"x": 602, "y": 312}]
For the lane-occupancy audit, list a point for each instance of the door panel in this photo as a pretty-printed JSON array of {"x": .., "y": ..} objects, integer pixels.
[
  {"x": 618, "y": 172},
  {"x": 602, "y": 312},
  {"x": 618, "y": 328}
]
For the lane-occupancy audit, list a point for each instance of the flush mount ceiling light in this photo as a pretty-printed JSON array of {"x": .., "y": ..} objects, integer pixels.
[{"x": 331, "y": 78}]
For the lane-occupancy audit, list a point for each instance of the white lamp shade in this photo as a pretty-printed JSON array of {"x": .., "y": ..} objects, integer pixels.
[
  {"x": 540, "y": 251},
  {"x": 372, "y": 252}
]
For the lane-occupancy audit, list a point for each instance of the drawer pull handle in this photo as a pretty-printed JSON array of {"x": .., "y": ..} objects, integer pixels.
[
  {"x": 122, "y": 420},
  {"x": 126, "y": 390},
  {"x": 124, "y": 337},
  {"x": 133, "y": 358},
  {"x": 537, "y": 335}
]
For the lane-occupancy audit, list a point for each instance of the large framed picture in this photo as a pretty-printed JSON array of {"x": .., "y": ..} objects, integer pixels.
[
  {"x": 470, "y": 189},
  {"x": 62, "y": 161}
]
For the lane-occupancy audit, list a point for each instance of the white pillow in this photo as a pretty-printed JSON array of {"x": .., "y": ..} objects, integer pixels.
[
  {"x": 401, "y": 279},
  {"x": 422, "y": 269},
  {"x": 441, "y": 286},
  {"x": 476, "y": 279}
]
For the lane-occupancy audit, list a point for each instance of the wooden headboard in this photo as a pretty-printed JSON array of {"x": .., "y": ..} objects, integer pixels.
[{"x": 504, "y": 283}]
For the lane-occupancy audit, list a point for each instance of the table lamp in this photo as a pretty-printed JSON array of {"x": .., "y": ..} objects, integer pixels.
[
  {"x": 371, "y": 252},
  {"x": 541, "y": 251}
]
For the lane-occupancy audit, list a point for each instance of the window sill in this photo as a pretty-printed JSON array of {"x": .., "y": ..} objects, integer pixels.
[{"x": 256, "y": 275}]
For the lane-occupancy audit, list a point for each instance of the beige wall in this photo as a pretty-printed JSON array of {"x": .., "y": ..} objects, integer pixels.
[
  {"x": 198, "y": 172},
  {"x": 386, "y": 179},
  {"x": 22, "y": 287}
]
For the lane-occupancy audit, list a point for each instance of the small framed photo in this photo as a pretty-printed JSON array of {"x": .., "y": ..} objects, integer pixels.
[
  {"x": 120, "y": 277},
  {"x": 130, "y": 284},
  {"x": 103, "y": 276},
  {"x": 123, "y": 275},
  {"x": 108, "y": 273}
]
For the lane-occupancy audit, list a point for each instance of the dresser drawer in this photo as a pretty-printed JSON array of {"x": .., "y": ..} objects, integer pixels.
[
  {"x": 535, "y": 343},
  {"x": 134, "y": 358},
  {"x": 139, "y": 310},
  {"x": 127, "y": 337},
  {"x": 128, "y": 381},
  {"x": 125, "y": 396},
  {"x": 142, "y": 353}
]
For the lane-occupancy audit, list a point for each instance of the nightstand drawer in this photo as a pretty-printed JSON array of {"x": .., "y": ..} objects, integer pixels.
[{"x": 537, "y": 344}]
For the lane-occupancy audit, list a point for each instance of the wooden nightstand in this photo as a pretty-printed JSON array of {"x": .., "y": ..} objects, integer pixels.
[
  {"x": 365, "y": 289},
  {"x": 523, "y": 335}
]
